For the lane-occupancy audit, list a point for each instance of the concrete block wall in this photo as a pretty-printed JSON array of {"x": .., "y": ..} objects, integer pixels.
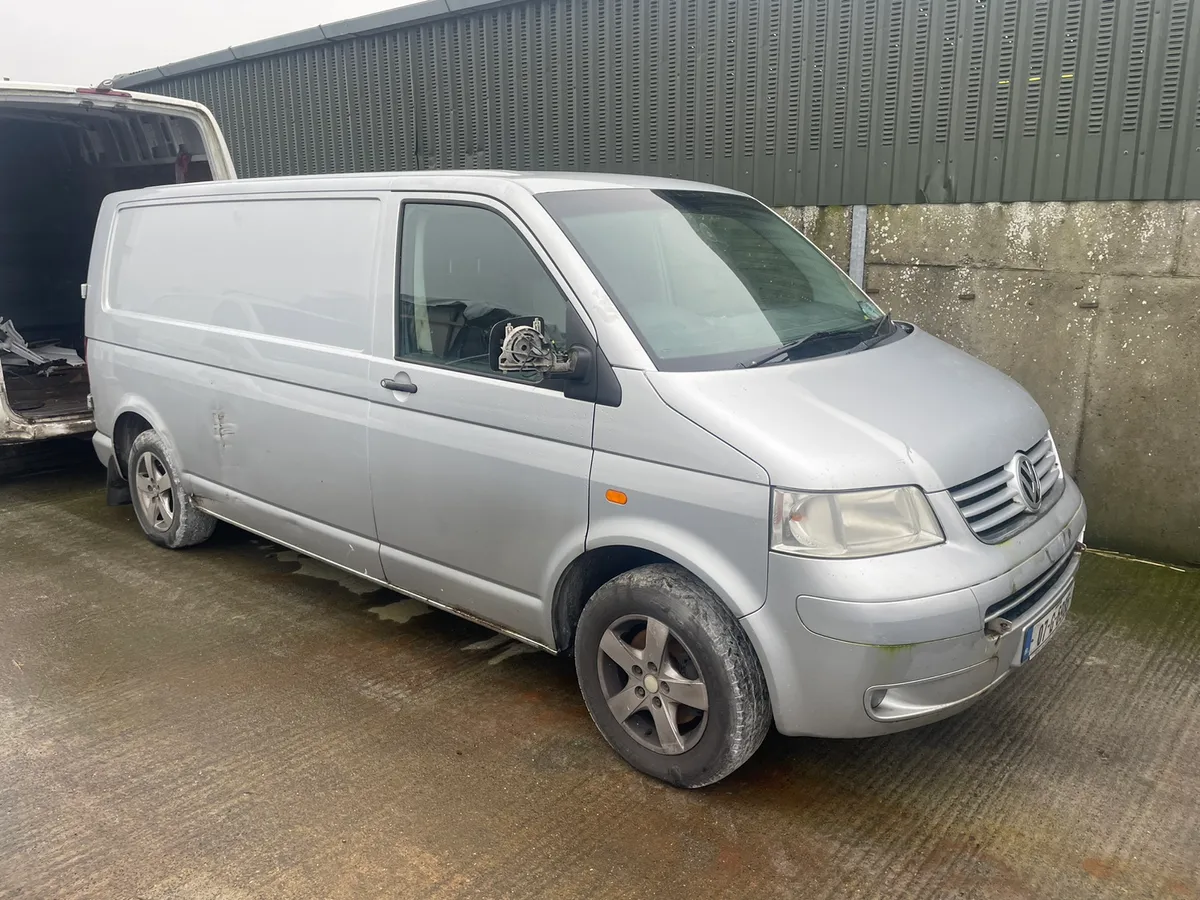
[{"x": 1094, "y": 308}]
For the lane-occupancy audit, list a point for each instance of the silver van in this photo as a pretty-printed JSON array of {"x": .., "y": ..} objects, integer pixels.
[
  {"x": 62, "y": 149},
  {"x": 640, "y": 421}
]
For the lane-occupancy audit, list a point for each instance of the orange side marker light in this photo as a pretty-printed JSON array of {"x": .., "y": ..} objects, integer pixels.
[{"x": 617, "y": 497}]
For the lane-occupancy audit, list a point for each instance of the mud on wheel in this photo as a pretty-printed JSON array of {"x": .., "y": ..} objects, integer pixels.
[
  {"x": 669, "y": 677},
  {"x": 166, "y": 513}
]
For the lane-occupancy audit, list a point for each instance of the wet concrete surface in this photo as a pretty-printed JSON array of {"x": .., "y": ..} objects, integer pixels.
[{"x": 234, "y": 721}]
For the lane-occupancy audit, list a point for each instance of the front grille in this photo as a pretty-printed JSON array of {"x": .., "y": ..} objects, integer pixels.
[
  {"x": 992, "y": 504},
  {"x": 1016, "y": 605}
]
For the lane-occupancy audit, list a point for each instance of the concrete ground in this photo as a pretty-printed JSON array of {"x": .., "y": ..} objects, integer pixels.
[{"x": 234, "y": 722}]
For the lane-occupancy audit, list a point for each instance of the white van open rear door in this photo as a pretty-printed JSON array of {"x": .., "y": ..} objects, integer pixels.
[{"x": 62, "y": 150}]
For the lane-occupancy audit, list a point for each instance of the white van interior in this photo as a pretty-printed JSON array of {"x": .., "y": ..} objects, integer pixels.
[{"x": 58, "y": 160}]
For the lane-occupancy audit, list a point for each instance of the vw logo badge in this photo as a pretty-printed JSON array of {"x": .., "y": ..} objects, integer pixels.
[{"x": 1025, "y": 480}]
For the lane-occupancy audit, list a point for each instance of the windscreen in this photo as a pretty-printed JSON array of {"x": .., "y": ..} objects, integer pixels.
[{"x": 707, "y": 280}]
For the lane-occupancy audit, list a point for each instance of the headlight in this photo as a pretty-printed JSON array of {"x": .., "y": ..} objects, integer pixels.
[{"x": 855, "y": 524}]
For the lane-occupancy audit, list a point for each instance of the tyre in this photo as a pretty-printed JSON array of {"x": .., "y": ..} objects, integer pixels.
[
  {"x": 166, "y": 513},
  {"x": 669, "y": 677}
]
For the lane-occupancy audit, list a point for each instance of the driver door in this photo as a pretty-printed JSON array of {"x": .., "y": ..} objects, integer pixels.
[{"x": 479, "y": 480}]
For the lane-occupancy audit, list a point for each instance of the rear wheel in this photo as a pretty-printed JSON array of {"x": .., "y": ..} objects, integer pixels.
[
  {"x": 670, "y": 678},
  {"x": 167, "y": 515}
]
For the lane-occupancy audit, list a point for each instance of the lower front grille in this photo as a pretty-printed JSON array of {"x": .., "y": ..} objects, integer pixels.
[
  {"x": 993, "y": 504},
  {"x": 1016, "y": 605}
]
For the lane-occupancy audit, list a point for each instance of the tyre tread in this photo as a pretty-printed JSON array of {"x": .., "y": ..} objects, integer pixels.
[
  {"x": 193, "y": 525},
  {"x": 749, "y": 699}
]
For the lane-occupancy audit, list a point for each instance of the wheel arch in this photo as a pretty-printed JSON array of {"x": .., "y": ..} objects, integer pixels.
[
  {"x": 133, "y": 417},
  {"x": 582, "y": 577},
  {"x": 601, "y": 563},
  {"x": 125, "y": 431}
]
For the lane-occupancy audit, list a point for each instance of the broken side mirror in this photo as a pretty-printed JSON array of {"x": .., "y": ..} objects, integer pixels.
[{"x": 520, "y": 346}]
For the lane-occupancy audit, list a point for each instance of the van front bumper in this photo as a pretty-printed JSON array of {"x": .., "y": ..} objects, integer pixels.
[{"x": 843, "y": 667}]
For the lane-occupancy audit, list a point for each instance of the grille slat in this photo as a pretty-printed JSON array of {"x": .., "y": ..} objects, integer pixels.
[
  {"x": 991, "y": 504},
  {"x": 1040, "y": 450},
  {"x": 988, "y": 482},
  {"x": 1010, "y": 509},
  {"x": 987, "y": 504},
  {"x": 1016, "y": 605}
]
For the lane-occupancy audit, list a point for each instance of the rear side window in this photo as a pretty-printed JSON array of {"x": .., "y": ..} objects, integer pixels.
[{"x": 297, "y": 269}]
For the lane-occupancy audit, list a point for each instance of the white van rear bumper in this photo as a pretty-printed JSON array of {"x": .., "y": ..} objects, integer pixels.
[{"x": 15, "y": 430}]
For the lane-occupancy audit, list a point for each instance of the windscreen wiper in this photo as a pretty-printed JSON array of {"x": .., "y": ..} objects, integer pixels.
[{"x": 881, "y": 330}]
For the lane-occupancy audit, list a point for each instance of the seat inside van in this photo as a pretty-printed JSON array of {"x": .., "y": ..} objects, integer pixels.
[{"x": 57, "y": 163}]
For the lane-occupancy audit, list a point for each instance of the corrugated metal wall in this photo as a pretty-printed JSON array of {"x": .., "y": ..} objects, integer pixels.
[{"x": 795, "y": 101}]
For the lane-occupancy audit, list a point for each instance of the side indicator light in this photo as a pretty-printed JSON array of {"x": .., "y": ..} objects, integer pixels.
[{"x": 617, "y": 497}]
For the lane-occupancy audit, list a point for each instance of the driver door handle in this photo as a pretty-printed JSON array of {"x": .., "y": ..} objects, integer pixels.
[{"x": 401, "y": 383}]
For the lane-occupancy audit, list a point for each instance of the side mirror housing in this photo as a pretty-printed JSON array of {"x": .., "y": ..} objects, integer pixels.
[{"x": 519, "y": 345}]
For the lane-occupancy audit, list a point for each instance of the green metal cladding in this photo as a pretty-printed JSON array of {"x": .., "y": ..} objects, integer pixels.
[{"x": 795, "y": 101}]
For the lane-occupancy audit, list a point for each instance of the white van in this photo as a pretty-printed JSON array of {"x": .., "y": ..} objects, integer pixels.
[
  {"x": 640, "y": 420},
  {"x": 62, "y": 150}
]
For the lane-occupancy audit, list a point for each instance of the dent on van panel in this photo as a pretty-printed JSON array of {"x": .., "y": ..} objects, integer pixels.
[
  {"x": 223, "y": 430},
  {"x": 297, "y": 448}
]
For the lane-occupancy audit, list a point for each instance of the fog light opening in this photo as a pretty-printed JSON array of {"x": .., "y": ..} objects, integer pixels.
[{"x": 876, "y": 697}]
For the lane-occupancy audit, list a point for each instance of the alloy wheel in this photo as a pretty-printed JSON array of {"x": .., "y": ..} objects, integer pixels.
[
  {"x": 652, "y": 684},
  {"x": 155, "y": 494}
]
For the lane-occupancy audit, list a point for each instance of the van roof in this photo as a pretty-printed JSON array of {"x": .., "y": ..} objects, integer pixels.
[
  {"x": 466, "y": 180},
  {"x": 105, "y": 96}
]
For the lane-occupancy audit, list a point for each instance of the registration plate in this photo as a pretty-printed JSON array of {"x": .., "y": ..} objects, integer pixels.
[{"x": 1040, "y": 632}]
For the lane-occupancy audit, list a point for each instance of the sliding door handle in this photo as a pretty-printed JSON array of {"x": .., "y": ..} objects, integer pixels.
[{"x": 404, "y": 386}]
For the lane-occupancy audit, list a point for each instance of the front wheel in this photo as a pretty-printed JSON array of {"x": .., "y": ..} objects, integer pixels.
[{"x": 669, "y": 677}]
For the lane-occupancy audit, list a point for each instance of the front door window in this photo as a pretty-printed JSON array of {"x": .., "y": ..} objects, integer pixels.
[{"x": 463, "y": 269}]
